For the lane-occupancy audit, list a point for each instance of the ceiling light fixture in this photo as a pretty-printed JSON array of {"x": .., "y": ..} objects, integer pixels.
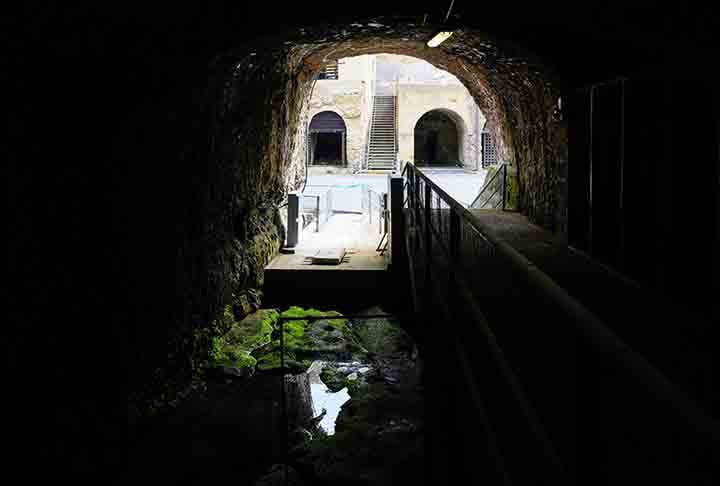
[{"x": 439, "y": 38}]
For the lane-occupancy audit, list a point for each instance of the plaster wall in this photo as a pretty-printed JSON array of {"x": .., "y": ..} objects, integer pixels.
[
  {"x": 414, "y": 100},
  {"x": 407, "y": 69},
  {"x": 359, "y": 68},
  {"x": 348, "y": 99}
]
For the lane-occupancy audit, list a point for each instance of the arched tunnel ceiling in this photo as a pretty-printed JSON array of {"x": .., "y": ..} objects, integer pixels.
[
  {"x": 272, "y": 79},
  {"x": 586, "y": 40}
]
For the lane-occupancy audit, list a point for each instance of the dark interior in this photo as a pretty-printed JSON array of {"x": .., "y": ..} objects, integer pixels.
[
  {"x": 151, "y": 150},
  {"x": 436, "y": 140},
  {"x": 328, "y": 148}
]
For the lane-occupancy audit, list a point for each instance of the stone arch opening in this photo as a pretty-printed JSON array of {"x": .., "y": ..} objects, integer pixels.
[
  {"x": 438, "y": 136},
  {"x": 326, "y": 140},
  {"x": 261, "y": 108}
]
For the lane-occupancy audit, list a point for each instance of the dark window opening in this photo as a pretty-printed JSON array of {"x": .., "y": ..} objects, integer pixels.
[
  {"x": 436, "y": 140},
  {"x": 489, "y": 156},
  {"x": 327, "y": 139},
  {"x": 328, "y": 148},
  {"x": 329, "y": 70}
]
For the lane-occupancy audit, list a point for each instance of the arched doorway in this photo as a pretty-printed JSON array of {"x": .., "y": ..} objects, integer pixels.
[
  {"x": 327, "y": 136},
  {"x": 437, "y": 139}
]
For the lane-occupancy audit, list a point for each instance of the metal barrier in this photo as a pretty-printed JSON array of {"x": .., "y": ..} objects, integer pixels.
[
  {"x": 311, "y": 211},
  {"x": 494, "y": 192},
  {"x": 544, "y": 361}
]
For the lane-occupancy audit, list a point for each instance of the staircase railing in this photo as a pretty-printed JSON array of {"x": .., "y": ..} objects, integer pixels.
[
  {"x": 496, "y": 185},
  {"x": 555, "y": 392},
  {"x": 369, "y": 125},
  {"x": 395, "y": 118}
]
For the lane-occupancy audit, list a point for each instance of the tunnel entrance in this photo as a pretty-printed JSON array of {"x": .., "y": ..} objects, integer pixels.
[
  {"x": 258, "y": 151},
  {"x": 326, "y": 139},
  {"x": 437, "y": 140}
]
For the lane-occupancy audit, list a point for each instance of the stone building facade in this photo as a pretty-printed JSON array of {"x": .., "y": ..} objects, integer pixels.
[{"x": 422, "y": 91}]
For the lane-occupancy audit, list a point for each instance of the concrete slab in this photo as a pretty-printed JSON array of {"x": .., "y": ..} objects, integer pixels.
[
  {"x": 361, "y": 273},
  {"x": 328, "y": 256},
  {"x": 351, "y": 261}
]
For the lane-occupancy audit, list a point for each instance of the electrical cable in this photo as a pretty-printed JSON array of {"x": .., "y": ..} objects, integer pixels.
[{"x": 452, "y": 2}]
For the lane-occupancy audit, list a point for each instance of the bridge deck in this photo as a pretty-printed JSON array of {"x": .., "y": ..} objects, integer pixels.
[
  {"x": 360, "y": 277},
  {"x": 672, "y": 337}
]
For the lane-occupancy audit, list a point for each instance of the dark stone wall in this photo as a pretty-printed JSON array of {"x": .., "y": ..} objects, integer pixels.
[
  {"x": 203, "y": 218},
  {"x": 144, "y": 172}
]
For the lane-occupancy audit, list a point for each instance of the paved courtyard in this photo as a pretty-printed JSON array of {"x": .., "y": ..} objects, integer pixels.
[{"x": 463, "y": 185}]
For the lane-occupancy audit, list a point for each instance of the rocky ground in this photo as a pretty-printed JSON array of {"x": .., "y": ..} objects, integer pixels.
[{"x": 233, "y": 427}]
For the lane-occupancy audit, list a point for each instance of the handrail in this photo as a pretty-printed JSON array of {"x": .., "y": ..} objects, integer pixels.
[
  {"x": 369, "y": 125},
  {"x": 395, "y": 134},
  {"x": 487, "y": 184},
  {"x": 467, "y": 372},
  {"x": 497, "y": 352},
  {"x": 315, "y": 212},
  {"x": 591, "y": 327}
]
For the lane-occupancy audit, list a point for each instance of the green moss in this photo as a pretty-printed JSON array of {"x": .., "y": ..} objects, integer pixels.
[
  {"x": 305, "y": 340},
  {"x": 334, "y": 381},
  {"x": 271, "y": 361},
  {"x": 233, "y": 348}
]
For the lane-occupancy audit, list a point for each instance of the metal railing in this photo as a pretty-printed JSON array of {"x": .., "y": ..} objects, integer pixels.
[
  {"x": 465, "y": 275},
  {"x": 317, "y": 209},
  {"x": 494, "y": 192},
  {"x": 310, "y": 211},
  {"x": 376, "y": 208},
  {"x": 371, "y": 94}
]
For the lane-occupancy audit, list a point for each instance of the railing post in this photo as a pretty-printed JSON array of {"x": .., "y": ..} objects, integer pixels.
[
  {"x": 293, "y": 233},
  {"x": 455, "y": 238},
  {"x": 396, "y": 235},
  {"x": 413, "y": 190},
  {"x": 504, "y": 187},
  {"x": 428, "y": 234},
  {"x": 384, "y": 214},
  {"x": 317, "y": 214}
]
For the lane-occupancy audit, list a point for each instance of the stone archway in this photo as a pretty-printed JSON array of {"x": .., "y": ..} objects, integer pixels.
[
  {"x": 437, "y": 139},
  {"x": 327, "y": 137}
]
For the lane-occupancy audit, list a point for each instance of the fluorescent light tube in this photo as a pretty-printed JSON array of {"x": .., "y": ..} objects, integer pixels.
[{"x": 439, "y": 38}]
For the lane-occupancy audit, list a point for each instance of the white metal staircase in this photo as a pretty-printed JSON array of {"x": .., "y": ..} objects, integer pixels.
[{"x": 381, "y": 152}]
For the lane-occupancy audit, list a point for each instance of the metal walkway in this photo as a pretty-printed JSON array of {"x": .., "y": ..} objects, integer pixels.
[{"x": 567, "y": 372}]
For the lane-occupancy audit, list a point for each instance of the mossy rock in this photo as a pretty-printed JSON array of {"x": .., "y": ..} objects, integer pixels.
[
  {"x": 377, "y": 439},
  {"x": 308, "y": 340},
  {"x": 232, "y": 350},
  {"x": 254, "y": 330},
  {"x": 382, "y": 336}
]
